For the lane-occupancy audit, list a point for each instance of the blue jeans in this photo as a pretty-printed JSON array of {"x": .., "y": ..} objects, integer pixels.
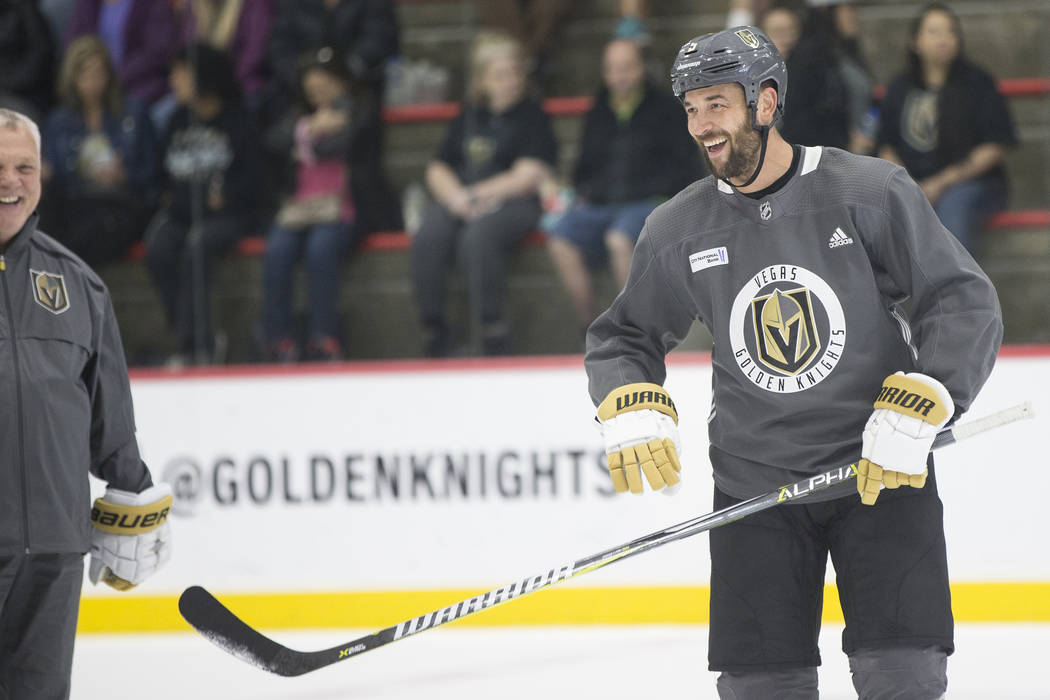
[
  {"x": 965, "y": 208},
  {"x": 322, "y": 248},
  {"x": 585, "y": 225}
]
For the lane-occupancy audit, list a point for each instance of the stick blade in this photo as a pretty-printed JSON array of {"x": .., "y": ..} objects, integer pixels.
[{"x": 228, "y": 632}]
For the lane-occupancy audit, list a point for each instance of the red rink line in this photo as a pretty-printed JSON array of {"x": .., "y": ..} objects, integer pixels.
[
  {"x": 465, "y": 364},
  {"x": 254, "y": 246}
]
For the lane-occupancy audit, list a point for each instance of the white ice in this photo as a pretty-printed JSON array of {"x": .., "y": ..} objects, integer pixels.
[{"x": 992, "y": 662}]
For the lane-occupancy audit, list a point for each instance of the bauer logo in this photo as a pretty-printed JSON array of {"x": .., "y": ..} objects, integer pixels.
[
  {"x": 708, "y": 258},
  {"x": 787, "y": 329}
]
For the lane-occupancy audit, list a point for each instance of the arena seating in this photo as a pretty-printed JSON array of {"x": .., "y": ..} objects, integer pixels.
[{"x": 376, "y": 303}]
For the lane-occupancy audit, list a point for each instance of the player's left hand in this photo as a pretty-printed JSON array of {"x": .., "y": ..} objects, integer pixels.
[
  {"x": 131, "y": 539},
  {"x": 909, "y": 411}
]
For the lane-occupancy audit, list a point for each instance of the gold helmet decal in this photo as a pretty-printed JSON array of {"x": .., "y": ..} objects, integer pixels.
[
  {"x": 784, "y": 330},
  {"x": 748, "y": 37},
  {"x": 49, "y": 290}
]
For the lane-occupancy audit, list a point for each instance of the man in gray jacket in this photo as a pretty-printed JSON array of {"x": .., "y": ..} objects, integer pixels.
[
  {"x": 827, "y": 283},
  {"x": 66, "y": 412}
]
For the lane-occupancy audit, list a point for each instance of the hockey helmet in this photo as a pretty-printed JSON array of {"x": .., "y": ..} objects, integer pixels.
[{"x": 742, "y": 55}]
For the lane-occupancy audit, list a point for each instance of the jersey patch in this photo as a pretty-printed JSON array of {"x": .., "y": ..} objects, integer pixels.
[
  {"x": 787, "y": 329},
  {"x": 765, "y": 210},
  {"x": 708, "y": 258},
  {"x": 49, "y": 290}
]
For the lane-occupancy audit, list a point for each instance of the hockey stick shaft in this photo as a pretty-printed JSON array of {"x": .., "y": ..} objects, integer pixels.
[{"x": 213, "y": 620}]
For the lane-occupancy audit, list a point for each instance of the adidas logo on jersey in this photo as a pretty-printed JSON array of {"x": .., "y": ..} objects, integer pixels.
[{"x": 839, "y": 238}]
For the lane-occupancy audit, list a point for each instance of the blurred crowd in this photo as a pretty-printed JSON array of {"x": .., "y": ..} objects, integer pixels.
[{"x": 179, "y": 127}]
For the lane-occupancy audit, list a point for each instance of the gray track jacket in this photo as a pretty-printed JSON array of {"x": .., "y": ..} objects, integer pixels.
[
  {"x": 813, "y": 296},
  {"x": 65, "y": 400}
]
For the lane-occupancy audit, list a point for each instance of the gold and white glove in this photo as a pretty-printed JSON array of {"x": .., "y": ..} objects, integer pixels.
[
  {"x": 639, "y": 424},
  {"x": 131, "y": 539},
  {"x": 909, "y": 411}
]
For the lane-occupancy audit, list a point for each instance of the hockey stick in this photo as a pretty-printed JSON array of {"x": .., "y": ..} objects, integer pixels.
[{"x": 213, "y": 620}]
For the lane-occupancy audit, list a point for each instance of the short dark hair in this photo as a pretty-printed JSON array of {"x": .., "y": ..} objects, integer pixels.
[{"x": 212, "y": 70}]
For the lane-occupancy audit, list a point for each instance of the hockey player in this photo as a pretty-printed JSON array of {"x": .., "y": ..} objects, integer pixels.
[
  {"x": 66, "y": 411},
  {"x": 821, "y": 276}
]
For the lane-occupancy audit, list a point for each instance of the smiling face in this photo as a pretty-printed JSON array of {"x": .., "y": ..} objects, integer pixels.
[
  {"x": 720, "y": 123},
  {"x": 19, "y": 179}
]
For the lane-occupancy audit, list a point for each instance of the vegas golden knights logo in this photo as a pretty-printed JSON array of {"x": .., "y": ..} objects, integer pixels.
[
  {"x": 785, "y": 333},
  {"x": 748, "y": 37},
  {"x": 49, "y": 290}
]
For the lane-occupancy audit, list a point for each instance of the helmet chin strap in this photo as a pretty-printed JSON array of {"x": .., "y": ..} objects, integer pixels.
[{"x": 763, "y": 132}]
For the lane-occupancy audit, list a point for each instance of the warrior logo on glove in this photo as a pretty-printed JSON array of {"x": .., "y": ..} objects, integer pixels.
[{"x": 640, "y": 426}]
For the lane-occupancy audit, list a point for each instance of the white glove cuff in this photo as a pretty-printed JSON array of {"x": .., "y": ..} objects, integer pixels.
[{"x": 636, "y": 427}]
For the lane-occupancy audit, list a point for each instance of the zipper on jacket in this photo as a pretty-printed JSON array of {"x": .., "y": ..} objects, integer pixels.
[{"x": 18, "y": 404}]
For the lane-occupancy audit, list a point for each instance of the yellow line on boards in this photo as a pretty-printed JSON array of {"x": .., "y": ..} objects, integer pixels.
[{"x": 971, "y": 602}]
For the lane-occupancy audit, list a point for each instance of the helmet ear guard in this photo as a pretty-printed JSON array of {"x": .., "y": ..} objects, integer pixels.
[{"x": 742, "y": 55}]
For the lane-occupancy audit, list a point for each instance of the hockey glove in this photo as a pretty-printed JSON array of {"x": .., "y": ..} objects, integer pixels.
[
  {"x": 909, "y": 411},
  {"x": 639, "y": 424},
  {"x": 131, "y": 538}
]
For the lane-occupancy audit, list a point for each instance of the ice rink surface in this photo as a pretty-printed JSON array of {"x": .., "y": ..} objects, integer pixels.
[{"x": 992, "y": 662}]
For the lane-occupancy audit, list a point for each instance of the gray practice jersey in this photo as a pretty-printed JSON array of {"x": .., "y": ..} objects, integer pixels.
[{"x": 804, "y": 292}]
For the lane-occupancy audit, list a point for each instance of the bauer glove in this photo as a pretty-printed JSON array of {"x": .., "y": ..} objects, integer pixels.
[
  {"x": 131, "y": 539},
  {"x": 639, "y": 424},
  {"x": 909, "y": 411}
]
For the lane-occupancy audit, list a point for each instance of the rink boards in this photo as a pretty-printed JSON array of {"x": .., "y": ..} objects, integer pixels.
[{"x": 363, "y": 495}]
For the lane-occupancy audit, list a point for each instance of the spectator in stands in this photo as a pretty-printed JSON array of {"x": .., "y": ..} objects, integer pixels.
[
  {"x": 239, "y": 27},
  {"x": 633, "y": 14},
  {"x": 485, "y": 179},
  {"x": 841, "y": 23},
  {"x": 746, "y": 12},
  {"x": 533, "y": 23},
  {"x": 819, "y": 114},
  {"x": 211, "y": 161},
  {"x": 634, "y": 153},
  {"x": 140, "y": 36},
  {"x": 366, "y": 33},
  {"x": 27, "y": 54},
  {"x": 317, "y": 221},
  {"x": 944, "y": 120},
  {"x": 101, "y": 158}
]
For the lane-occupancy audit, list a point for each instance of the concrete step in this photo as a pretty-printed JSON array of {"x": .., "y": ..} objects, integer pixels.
[{"x": 1018, "y": 263}]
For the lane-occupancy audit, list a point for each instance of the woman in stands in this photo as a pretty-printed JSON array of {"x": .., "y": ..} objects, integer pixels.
[
  {"x": 485, "y": 181},
  {"x": 101, "y": 157},
  {"x": 212, "y": 167},
  {"x": 317, "y": 222},
  {"x": 944, "y": 120}
]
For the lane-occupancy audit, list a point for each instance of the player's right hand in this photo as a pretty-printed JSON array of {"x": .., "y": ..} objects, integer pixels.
[
  {"x": 639, "y": 424},
  {"x": 131, "y": 538}
]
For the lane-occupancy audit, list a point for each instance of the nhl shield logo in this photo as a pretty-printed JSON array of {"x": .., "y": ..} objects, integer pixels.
[
  {"x": 49, "y": 290},
  {"x": 748, "y": 37},
  {"x": 765, "y": 210}
]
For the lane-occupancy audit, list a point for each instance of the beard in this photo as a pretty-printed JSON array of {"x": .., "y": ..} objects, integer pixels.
[{"x": 744, "y": 145}]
